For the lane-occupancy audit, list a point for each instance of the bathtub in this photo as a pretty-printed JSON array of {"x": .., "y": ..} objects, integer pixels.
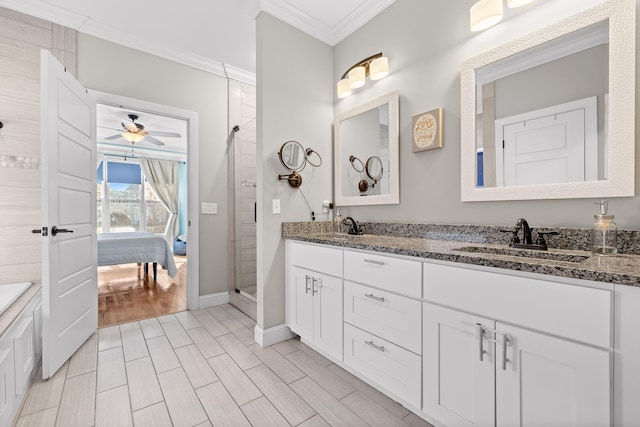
[{"x": 10, "y": 293}]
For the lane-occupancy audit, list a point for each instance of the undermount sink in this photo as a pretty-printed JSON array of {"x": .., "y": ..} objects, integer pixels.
[{"x": 554, "y": 256}]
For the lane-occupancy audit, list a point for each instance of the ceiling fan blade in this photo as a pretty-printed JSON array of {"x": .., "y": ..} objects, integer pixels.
[
  {"x": 166, "y": 134},
  {"x": 153, "y": 140},
  {"x": 130, "y": 126},
  {"x": 116, "y": 136}
]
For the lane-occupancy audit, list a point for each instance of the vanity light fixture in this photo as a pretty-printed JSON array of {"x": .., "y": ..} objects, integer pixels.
[
  {"x": 375, "y": 66},
  {"x": 487, "y": 13}
]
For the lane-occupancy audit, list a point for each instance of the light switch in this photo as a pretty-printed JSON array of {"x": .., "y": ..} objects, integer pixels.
[
  {"x": 209, "y": 209},
  {"x": 275, "y": 206}
]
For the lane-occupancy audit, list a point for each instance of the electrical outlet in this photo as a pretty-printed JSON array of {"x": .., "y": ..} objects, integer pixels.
[
  {"x": 325, "y": 206},
  {"x": 209, "y": 209},
  {"x": 275, "y": 206}
]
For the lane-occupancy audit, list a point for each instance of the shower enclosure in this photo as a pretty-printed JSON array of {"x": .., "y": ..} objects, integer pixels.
[{"x": 242, "y": 196}]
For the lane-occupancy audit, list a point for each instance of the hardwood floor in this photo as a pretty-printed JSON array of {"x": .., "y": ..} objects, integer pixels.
[
  {"x": 126, "y": 294},
  {"x": 203, "y": 368}
]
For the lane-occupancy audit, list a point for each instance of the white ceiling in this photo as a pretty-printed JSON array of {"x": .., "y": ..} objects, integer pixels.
[{"x": 213, "y": 35}]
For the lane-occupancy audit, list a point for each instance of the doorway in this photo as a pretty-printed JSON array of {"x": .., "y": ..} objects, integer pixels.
[{"x": 132, "y": 291}]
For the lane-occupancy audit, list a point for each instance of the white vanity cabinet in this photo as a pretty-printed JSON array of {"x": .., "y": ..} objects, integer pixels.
[
  {"x": 556, "y": 368},
  {"x": 314, "y": 295}
]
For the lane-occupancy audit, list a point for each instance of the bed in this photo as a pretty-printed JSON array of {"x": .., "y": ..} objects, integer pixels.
[{"x": 138, "y": 247}]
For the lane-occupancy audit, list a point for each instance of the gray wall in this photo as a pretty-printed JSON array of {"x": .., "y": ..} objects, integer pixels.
[
  {"x": 294, "y": 102},
  {"x": 424, "y": 59},
  {"x": 116, "y": 69}
]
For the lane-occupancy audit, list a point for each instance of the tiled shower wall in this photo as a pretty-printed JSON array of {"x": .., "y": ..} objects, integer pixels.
[
  {"x": 242, "y": 186},
  {"x": 21, "y": 39}
]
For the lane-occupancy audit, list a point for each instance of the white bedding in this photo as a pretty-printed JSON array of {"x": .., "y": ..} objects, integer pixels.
[{"x": 124, "y": 248}]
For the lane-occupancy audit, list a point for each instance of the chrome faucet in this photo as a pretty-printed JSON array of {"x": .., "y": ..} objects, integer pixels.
[{"x": 354, "y": 228}]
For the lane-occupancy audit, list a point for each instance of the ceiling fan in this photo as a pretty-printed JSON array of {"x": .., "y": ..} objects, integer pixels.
[{"x": 134, "y": 132}]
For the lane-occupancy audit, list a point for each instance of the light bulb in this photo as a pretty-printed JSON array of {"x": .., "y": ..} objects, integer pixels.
[
  {"x": 379, "y": 68},
  {"x": 485, "y": 14},
  {"x": 356, "y": 77},
  {"x": 343, "y": 88}
]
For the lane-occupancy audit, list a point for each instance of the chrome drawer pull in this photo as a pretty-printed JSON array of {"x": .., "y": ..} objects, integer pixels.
[
  {"x": 373, "y": 261},
  {"x": 372, "y": 296},
  {"x": 479, "y": 333},
  {"x": 377, "y": 347},
  {"x": 306, "y": 284}
]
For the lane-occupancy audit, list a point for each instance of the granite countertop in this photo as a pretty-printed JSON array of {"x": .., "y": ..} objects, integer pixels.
[{"x": 619, "y": 269}]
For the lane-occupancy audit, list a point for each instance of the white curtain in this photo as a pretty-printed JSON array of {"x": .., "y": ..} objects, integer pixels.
[{"x": 163, "y": 179}]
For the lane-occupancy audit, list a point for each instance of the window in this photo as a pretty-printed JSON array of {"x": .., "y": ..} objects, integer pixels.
[{"x": 127, "y": 200}]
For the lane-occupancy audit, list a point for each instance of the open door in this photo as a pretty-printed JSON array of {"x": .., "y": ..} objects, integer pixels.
[{"x": 69, "y": 248}]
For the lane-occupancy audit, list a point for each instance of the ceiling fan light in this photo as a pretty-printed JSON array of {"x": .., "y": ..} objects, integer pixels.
[
  {"x": 518, "y": 3},
  {"x": 343, "y": 88},
  {"x": 132, "y": 137},
  {"x": 356, "y": 77},
  {"x": 379, "y": 68},
  {"x": 485, "y": 14}
]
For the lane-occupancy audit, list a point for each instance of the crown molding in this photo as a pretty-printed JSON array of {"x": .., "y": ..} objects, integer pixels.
[
  {"x": 86, "y": 25},
  {"x": 285, "y": 11}
]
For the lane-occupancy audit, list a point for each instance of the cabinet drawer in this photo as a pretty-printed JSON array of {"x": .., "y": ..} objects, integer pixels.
[
  {"x": 391, "y": 367},
  {"x": 317, "y": 258},
  {"x": 580, "y": 313},
  {"x": 393, "y": 274},
  {"x": 390, "y": 316}
]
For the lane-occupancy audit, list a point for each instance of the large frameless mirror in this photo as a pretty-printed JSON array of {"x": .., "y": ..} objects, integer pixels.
[{"x": 551, "y": 115}]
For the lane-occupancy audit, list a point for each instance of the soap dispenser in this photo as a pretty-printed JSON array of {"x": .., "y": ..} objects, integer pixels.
[
  {"x": 604, "y": 239},
  {"x": 337, "y": 222}
]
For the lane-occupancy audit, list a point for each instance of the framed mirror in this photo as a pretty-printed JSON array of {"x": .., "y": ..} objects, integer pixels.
[
  {"x": 369, "y": 131},
  {"x": 551, "y": 115}
]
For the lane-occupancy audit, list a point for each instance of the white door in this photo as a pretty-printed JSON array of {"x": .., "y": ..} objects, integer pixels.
[
  {"x": 458, "y": 382},
  {"x": 69, "y": 258},
  {"x": 327, "y": 308},
  {"x": 549, "y": 381},
  {"x": 554, "y": 144},
  {"x": 301, "y": 321}
]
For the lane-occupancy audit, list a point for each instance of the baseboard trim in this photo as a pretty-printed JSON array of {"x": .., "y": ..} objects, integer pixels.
[
  {"x": 213, "y": 299},
  {"x": 270, "y": 336}
]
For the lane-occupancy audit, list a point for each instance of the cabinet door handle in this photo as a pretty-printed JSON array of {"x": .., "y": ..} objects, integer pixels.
[
  {"x": 373, "y": 261},
  {"x": 505, "y": 342},
  {"x": 316, "y": 283},
  {"x": 306, "y": 284},
  {"x": 377, "y": 347},
  {"x": 372, "y": 296},
  {"x": 479, "y": 333}
]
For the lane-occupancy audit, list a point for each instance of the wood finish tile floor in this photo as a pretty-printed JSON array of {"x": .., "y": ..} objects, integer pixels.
[
  {"x": 125, "y": 293},
  {"x": 202, "y": 368}
]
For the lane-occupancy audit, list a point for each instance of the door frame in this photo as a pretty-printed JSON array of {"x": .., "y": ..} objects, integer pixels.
[{"x": 193, "y": 268}]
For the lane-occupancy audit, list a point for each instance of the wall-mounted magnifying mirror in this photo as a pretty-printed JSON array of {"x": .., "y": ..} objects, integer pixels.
[
  {"x": 294, "y": 158},
  {"x": 367, "y": 131},
  {"x": 551, "y": 115},
  {"x": 374, "y": 169}
]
